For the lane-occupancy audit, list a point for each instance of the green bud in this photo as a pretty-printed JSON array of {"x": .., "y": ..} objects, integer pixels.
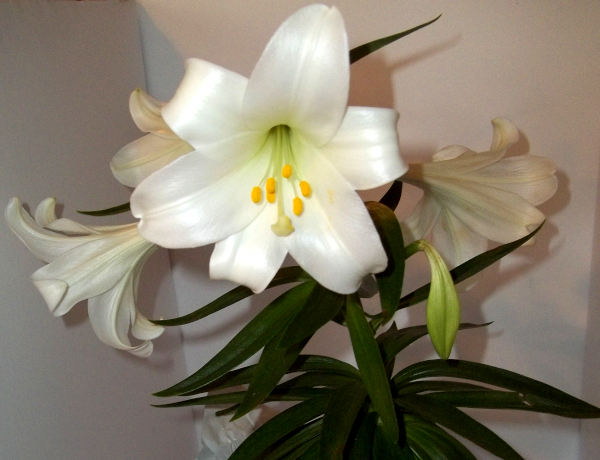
[{"x": 443, "y": 306}]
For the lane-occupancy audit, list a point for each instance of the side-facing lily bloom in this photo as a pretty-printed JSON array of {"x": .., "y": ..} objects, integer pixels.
[
  {"x": 140, "y": 158},
  {"x": 278, "y": 159},
  {"x": 471, "y": 197},
  {"x": 101, "y": 264}
]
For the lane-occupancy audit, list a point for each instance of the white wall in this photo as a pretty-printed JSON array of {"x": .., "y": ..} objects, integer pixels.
[
  {"x": 531, "y": 61},
  {"x": 67, "y": 71}
]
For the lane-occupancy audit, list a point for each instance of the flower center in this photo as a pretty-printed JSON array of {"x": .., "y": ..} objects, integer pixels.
[{"x": 282, "y": 168}]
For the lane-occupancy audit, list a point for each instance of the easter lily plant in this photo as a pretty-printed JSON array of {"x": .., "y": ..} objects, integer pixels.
[{"x": 268, "y": 166}]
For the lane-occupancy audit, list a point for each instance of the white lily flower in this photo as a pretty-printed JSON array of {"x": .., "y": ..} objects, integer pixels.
[
  {"x": 471, "y": 197},
  {"x": 140, "y": 158},
  {"x": 101, "y": 264},
  {"x": 278, "y": 159}
]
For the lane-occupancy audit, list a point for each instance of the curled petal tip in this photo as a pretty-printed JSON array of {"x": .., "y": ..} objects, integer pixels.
[
  {"x": 53, "y": 292},
  {"x": 505, "y": 133}
]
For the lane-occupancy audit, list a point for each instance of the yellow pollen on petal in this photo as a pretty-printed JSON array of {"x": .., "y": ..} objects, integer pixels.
[
  {"x": 256, "y": 194},
  {"x": 271, "y": 197},
  {"x": 283, "y": 226},
  {"x": 305, "y": 188},
  {"x": 271, "y": 185},
  {"x": 298, "y": 206},
  {"x": 286, "y": 171}
]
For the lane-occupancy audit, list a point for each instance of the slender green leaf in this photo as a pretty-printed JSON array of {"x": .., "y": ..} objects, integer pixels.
[
  {"x": 285, "y": 275},
  {"x": 340, "y": 415},
  {"x": 491, "y": 399},
  {"x": 255, "y": 335},
  {"x": 391, "y": 279},
  {"x": 320, "y": 308},
  {"x": 364, "y": 50},
  {"x": 312, "y": 453},
  {"x": 305, "y": 451},
  {"x": 393, "y": 342},
  {"x": 385, "y": 449},
  {"x": 318, "y": 379},
  {"x": 273, "y": 364},
  {"x": 296, "y": 444},
  {"x": 108, "y": 212},
  {"x": 393, "y": 195},
  {"x": 236, "y": 397},
  {"x": 435, "y": 440},
  {"x": 537, "y": 394},
  {"x": 428, "y": 386},
  {"x": 371, "y": 366},
  {"x": 362, "y": 444},
  {"x": 459, "y": 422},
  {"x": 304, "y": 363},
  {"x": 469, "y": 268},
  {"x": 280, "y": 426}
]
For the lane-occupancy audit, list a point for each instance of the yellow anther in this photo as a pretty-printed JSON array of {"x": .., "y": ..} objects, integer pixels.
[
  {"x": 286, "y": 171},
  {"x": 283, "y": 226},
  {"x": 298, "y": 206},
  {"x": 271, "y": 185},
  {"x": 271, "y": 197},
  {"x": 256, "y": 194},
  {"x": 305, "y": 188}
]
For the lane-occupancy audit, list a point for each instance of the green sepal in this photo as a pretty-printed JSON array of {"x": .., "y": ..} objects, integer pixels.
[
  {"x": 280, "y": 426},
  {"x": 109, "y": 211},
  {"x": 391, "y": 198},
  {"x": 371, "y": 366},
  {"x": 469, "y": 268},
  {"x": 273, "y": 364},
  {"x": 537, "y": 394},
  {"x": 364, "y": 50},
  {"x": 255, "y": 335},
  {"x": 285, "y": 275},
  {"x": 391, "y": 279},
  {"x": 433, "y": 441},
  {"x": 340, "y": 415},
  {"x": 321, "y": 307},
  {"x": 458, "y": 422}
]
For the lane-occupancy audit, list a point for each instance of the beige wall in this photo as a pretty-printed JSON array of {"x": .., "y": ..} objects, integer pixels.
[{"x": 67, "y": 71}]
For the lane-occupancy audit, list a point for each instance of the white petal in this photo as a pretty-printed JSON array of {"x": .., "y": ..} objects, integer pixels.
[
  {"x": 505, "y": 133},
  {"x": 456, "y": 242},
  {"x": 145, "y": 111},
  {"x": 207, "y": 105},
  {"x": 529, "y": 176},
  {"x": 450, "y": 152},
  {"x": 366, "y": 149},
  {"x": 111, "y": 314},
  {"x": 44, "y": 244},
  {"x": 302, "y": 78},
  {"x": 140, "y": 158},
  {"x": 145, "y": 330},
  {"x": 91, "y": 269},
  {"x": 334, "y": 240},
  {"x": 496, "y": 214},
  {"x": 196, "y": 201},
  {"x": 252, "y": 256},
  {"x": 45, "y": 212},
  {"x": 422, "y": 220}
]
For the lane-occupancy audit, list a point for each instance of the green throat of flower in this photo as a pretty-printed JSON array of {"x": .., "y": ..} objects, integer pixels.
[{"x": 282, "y": 167}]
